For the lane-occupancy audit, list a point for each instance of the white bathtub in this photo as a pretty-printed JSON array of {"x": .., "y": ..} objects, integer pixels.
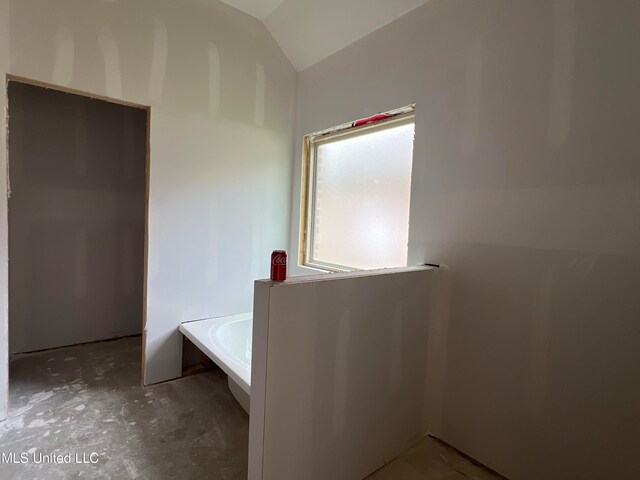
[{"x": 227, "y": 341}]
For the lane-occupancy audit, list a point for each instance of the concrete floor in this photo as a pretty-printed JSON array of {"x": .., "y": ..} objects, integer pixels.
[{"x": 88, "y": 398}]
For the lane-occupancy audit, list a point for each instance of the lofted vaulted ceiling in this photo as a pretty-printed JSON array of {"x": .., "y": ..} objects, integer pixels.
[
  {"x": 310, "y": 30},
  {"x": 260, "y": 9}
]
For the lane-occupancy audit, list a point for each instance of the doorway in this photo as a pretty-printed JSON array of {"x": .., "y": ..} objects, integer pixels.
[{"x": 78, "y": 183}]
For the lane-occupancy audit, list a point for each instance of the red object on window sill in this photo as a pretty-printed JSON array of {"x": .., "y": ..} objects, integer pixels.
[{"x": 375, "y": 118}]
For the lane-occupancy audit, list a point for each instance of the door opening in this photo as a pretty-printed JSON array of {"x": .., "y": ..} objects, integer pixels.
[{"x": 78, "y": 180}]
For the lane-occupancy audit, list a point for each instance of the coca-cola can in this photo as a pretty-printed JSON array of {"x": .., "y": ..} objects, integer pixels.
[{"x": 279, "y": 266}]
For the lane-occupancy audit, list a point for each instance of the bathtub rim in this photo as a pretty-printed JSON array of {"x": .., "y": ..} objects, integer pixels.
[{"x": 197, "y": 330}]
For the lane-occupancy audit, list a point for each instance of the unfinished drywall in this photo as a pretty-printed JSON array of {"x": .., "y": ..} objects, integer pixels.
[
  {"x": 338, "y": 375},
  {"x": 220, "y": 166},
  {"x": 76, "y": 218},
  {"x": 526, "y": 183},
  {"x": 4, "y": 258}
]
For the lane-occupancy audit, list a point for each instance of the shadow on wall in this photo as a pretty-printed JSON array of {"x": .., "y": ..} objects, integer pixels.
[
  {"x": 537, "y": 373},
  {"x": 533, "y": 200}
]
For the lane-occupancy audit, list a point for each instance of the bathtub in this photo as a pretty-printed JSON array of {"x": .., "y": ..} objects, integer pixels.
[{"x": 227, "y": 341}]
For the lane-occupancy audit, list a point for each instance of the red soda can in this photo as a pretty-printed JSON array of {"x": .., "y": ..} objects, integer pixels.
[{"x": 279, "y": 266}]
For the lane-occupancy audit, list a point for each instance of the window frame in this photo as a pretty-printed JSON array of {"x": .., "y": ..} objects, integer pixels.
[{"x": 311, "y": 142}]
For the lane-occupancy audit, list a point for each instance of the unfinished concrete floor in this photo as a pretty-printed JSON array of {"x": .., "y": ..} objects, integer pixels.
[{"x": 88, "y": 398}]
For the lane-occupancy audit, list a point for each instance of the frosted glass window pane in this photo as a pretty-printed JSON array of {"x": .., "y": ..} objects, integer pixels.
[{"x": 362, "y": 190}]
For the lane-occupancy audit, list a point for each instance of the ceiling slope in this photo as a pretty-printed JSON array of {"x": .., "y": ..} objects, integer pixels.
[
  {"x": 311, "y": 30},
  {"x": 257, "y": 8}
]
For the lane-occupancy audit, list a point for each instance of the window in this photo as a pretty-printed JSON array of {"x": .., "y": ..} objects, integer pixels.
[{"x": 356, "y": 192}]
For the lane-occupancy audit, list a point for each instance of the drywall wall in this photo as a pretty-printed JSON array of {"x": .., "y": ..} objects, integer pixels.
[
  {"x": 526, "y": 184},
  {"x": 338, "y": 374},
  {"x": 221, "y": 97},
  {"x": 76, "y": 218},
  {"x": 4, "y": 259}
]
